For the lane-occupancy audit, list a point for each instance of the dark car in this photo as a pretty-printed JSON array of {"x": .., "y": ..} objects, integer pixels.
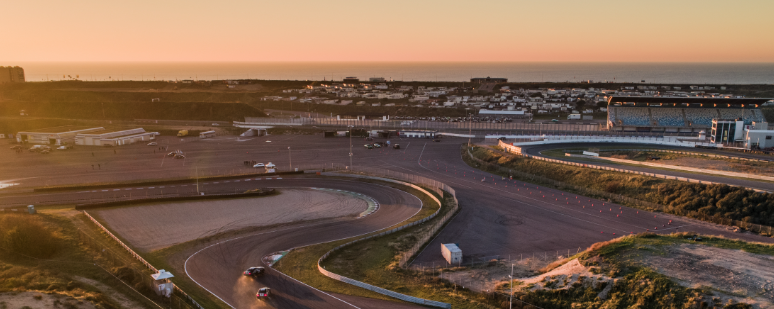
[
  {"x": 254, "y": 271},
  {"x": 396, "y": 146},
  {"x": 263, "y": 293},
  {"x": 437, "y": 140}
]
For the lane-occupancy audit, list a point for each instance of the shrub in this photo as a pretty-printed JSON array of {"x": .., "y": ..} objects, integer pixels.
[{"x": 28, "y": 235}]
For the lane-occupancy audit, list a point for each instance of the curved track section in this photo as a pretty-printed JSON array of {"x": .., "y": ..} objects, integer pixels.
[
  {"x": 748, "y": 183},
  {"x": 218, "y": 268}
]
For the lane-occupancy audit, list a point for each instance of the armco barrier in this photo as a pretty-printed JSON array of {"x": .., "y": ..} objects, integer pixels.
[
  {"x": 680, "y": 168},
  {"x": 763, "y": 229},
  {"x": 517, "y": 150},
  {"x": 138, "y": 257},
  {"x": 434, "y": 185},
  {"x": 173, "y": 198}
]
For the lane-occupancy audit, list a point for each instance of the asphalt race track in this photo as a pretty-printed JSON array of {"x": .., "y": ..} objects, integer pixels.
[
  {"x": 219, "y": 267},
  {"x": 749, "y": 183},
  {"x": 497, "y": 218}
]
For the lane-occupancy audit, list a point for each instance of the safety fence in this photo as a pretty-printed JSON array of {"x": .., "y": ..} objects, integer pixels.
[
  {"x": 416, "y": 182},
  {"x": 518, "y": 151},
  {"x": 757, "y": 228},
  {"x": 679, "y": 168},
  {"x": 140, "y": 258},
  {"x": 689, "y": 153},
  {"x": 420, "y": 124}
]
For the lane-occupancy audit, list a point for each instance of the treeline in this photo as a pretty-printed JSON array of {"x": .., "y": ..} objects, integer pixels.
[{"x": 689, "y": 199}]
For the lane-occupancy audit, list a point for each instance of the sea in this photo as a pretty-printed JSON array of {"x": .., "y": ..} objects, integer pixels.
[{"x": 655, "y": 73}]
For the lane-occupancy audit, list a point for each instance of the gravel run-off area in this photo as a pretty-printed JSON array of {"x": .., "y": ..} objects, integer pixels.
[{"x": 151, "y": 227}]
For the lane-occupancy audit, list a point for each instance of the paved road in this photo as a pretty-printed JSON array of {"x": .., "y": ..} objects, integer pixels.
[
  {"x": 749, "y": 183},
  {"x": 497, "y": 218}
]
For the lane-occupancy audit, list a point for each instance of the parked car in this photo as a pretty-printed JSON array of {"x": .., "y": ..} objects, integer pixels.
[
  {"x": 179, "y": 156},
  {"x": 378, "y": 145},
  {"x": 61, "y": 148},
  {"x": 259, "y": 165},
  {"x": 437, "y": 140},
  {"x": 369, "y": 139},
  {"x": 396, "y": 146},
  {"x": 254, "y": 271},
  {"x": 214, "y": 124},
  {"x": 263, "y": 293},
  {"x": 153, "y": 144},
  {"x": 368, "y": 146}
]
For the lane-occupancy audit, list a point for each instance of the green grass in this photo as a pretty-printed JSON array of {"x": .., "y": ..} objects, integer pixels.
[
  {"x": 637, "y": 286},
  {"x": 54, "y": 256},
  {"x": 701, "y": 201},
  {"x": 374, "y": 261}
]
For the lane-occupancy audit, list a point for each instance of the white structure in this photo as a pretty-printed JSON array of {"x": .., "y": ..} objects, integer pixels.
[
  {"x": 161, "y": 283},
  {"x": 116, "y": 138},
  {"x": 758, "y": 139},
  {"x": 207, "y": 134},
  {"x": 452, "y": 253},
  {"x": 53, "y": 136},
  {"x": 417, "y": 133}
]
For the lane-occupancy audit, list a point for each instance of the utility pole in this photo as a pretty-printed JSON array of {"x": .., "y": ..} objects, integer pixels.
[
  {"x": 511, "y": 277},
  {"x": 350, "y": 147},
  {"x": 197, "y": 180},
  {"x": 470, "y": 128},
  {"x": 290, "y": 159}
]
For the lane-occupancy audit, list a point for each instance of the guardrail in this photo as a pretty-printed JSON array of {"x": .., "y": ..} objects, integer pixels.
[
  {"x": 138, "y": 257},
  {"x": 762, "y": 229},
  {"x": 433, "y": 185},
  {"x": 689, "y": 153},
  {"x": 518, "y": 151}
]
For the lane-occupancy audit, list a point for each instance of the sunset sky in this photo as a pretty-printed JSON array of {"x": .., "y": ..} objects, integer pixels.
[{"x": 417, "y": 30}]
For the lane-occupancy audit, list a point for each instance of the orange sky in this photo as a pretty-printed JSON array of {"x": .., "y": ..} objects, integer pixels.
[{"x": 416, "y": 30}]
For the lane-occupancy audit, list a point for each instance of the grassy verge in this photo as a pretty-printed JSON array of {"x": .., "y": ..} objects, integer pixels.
[
  {"x": 46, "y": 253},
  {"x": 373, "y": 261},
  {"x": 638, "y": 285},
  {"x": 694, "y": 200}
]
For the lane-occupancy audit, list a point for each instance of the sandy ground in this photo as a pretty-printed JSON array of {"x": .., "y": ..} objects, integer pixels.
[
  {"x": 487, "y": 278},
  {"x": 152, "y": 227},
  {"x": 35, "y": 300},
  {"x": 739, "y": 275},
  {"x": 120, "y": 298}
]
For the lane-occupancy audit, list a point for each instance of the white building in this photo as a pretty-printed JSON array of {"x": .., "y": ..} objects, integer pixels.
[
  {"x": 53, "y": 136},
  {"x": 114, "y": 138}
]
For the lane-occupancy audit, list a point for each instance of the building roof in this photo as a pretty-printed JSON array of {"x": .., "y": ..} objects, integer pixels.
[
  {"x": 680, "y": 100},
  {"x": 63, "y": 129}
]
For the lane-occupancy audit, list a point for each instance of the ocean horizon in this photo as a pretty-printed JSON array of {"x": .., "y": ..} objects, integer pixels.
[{"x": 656, "y": 73}]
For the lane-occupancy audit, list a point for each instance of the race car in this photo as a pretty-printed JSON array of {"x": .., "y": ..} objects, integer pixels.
[
  {"x": 263, "y": 293},
  {"x": 254, "y": 271}
]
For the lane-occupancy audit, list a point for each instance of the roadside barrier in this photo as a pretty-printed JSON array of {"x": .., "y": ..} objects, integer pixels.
[
  {"x": 518, "y": 151},
  {"x": 411, "y": 181},
  {"x": 761, "y": 229},
  {"x": 139, "y": 258}
]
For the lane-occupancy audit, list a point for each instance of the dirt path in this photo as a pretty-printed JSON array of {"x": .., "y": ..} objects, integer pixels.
[
  {"x": 152, "y": 227},
  {"x": 120, "y": 298},
  {"x": 36, "y": 300},
  {"x": 738, "y": 275}
]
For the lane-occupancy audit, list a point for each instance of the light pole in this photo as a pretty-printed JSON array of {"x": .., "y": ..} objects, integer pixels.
[
  {"x": 511, "y": 277},
  {"x": 350, "y": 147},
  {"x": 470, "y": 128},
  {"x": 290, "y": 159}
]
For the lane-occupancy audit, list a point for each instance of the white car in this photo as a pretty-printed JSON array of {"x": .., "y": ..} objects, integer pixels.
[
  {"x": 61, "y": 148},
  {"x": 153, "y": 144},
  {"x": 259, "y": 165},
  {"x": 215, "y": 124}
]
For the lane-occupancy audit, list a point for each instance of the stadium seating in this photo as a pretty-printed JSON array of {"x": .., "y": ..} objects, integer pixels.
[
  {"x": 730, "y": 113},
  {"x": 701, "y": 116},
  {"x": 751, "y": 115},
  {"x": 668, "y": 117},
  {"x": 634, "y": 116}
]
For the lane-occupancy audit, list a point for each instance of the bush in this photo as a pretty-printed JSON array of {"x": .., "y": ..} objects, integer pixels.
[{"x": 28, "y": 235}]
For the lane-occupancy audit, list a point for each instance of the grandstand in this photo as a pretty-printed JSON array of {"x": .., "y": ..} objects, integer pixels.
[{"x": 667, "y": 114}]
